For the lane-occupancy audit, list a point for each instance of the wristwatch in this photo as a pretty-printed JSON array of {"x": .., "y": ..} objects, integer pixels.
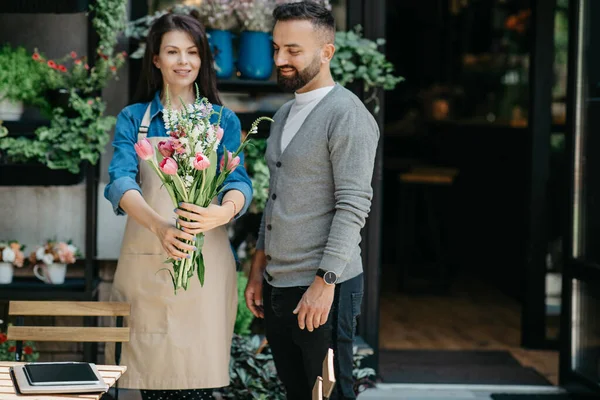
[{"x": 329, "y": 277}]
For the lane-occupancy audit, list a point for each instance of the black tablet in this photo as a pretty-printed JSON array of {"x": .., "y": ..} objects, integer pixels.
[{"x": 60, "y": 373}]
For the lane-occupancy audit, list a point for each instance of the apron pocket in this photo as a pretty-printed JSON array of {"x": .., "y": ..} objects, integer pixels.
[{"x": 139, "y": 282}]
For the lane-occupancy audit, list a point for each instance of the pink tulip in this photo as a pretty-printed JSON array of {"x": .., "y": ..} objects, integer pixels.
[
  {"x": 232, "y": 162},
  {"x": 166, "y": 148},
  {"x": 144, "y": 149},
  {"x": 168, "y": 166},
  {"x": 220, "y": 133},
  {"x": 201, "y": 162}
]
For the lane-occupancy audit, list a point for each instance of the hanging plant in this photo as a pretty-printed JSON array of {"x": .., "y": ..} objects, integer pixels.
[{"x": 359, "y": 59}]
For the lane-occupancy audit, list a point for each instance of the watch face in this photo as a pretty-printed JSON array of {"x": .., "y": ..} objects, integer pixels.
[{"x": 330, "y": 277}]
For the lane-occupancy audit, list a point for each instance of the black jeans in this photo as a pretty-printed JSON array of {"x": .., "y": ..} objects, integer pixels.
[{"x": 299, "y": 354}]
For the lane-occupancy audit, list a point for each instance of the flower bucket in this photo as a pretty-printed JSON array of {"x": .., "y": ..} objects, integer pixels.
[
  {"x": 10, "y": 110},
  {"x": 6, "y": 272},
  {"x": 256, "y": 55},
  {"x": 222, "y": 49},
  {"x": 52, "y": 274}
]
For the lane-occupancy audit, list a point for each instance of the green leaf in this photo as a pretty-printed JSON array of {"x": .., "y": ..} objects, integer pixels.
[{"x": 200, "y": 265}]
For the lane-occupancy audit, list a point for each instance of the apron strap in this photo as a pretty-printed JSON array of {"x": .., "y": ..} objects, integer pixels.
[{"x": 143, "y": 131}]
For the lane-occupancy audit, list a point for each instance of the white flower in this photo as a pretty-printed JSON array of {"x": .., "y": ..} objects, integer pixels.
[
  {"x": 39, "y": 254},
  {"x": 72, "y": 248},
  {"x": 184, "y": 140},
  {"x": 8, "y": 255},
  {"x": 199, "y": 148},
  {"x": 48, "y": 259}
]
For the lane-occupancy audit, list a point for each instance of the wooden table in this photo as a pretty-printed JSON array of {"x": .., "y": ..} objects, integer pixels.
[{"x": 110, "y": 374}]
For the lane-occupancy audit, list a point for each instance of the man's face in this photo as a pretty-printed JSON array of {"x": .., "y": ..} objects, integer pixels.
[{"x": 297, "y": 53}]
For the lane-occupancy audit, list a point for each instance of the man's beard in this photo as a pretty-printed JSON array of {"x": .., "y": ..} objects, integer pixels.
[{"x": 300, "y": 78}]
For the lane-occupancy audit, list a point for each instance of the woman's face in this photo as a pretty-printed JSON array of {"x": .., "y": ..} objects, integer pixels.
[{"x": 178, "y": 59}]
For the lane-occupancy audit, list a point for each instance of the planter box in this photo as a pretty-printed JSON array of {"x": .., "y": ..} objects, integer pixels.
[
  {"x": 44, "y": 6},
  {"x": 37, "y": 175}
]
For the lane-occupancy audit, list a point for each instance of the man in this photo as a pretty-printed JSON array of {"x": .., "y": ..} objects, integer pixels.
[{"x": 306, "y": 277}]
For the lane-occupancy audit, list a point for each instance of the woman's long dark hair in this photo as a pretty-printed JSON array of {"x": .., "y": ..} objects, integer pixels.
[{"x": 151, "y": 78}]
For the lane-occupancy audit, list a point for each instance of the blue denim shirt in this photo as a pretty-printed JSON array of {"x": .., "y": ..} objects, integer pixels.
[{"x": 124, "y": 164}]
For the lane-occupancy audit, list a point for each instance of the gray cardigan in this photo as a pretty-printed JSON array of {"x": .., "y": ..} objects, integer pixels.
[{"x": 319, "y": 191}]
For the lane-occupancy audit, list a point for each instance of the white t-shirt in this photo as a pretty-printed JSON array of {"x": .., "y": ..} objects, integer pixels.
[{"x": 303, "y": 105}]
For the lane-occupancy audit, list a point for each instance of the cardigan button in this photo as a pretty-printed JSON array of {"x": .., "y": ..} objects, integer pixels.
[
  {"x": 269, "y": 227},
  {"x": 268, "y": 258},
  {"x": 274, "y": 196},
  {"x": 278, "y": 165}
]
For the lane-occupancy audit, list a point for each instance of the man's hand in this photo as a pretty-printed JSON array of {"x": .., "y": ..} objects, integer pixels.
[
  {"x": 313, "y": 308},
  {"x": 253, "y": 292},
  {"x": 253, "y": 296}
]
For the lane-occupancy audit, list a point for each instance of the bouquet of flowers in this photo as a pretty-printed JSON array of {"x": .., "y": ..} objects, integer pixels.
[
  {"x": 12, "y": 252},
  {"x": 55, "y": 252},
  {"x": 186, "y": 164}
]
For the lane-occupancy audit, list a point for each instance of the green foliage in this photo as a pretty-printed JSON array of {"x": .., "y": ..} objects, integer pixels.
[
  {"x": 359, "y": 59},
  {"x": 21, "y": 77},
  {"x": 67, "y": 141},
  {"x": 252, "y": 371},
  {"x": 244, "y": 317},
  {"x": 8, "y": 349},
  {"x": 110, "y": 17},
  {"x": 259, "y": 173}
]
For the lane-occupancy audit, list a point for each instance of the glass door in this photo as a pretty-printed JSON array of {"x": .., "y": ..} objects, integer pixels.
[{"x": 580, "y": 329}]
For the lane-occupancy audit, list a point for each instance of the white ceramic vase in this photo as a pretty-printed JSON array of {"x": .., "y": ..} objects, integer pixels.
[
  {"x": 52, "y": 274},
  {"x": 6, "y": 272}
]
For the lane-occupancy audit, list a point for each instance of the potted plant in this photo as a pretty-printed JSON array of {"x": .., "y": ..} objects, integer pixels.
[
  {"x": 68, "y": 141},
  {"x": 219, "y": 19},
  {"x": 52, "y": 259},
  {"x": 11, "y": 257},
  {"x": 359, "y": 59},
  {"x": 8, "y": 349},
  {"x": 78, "y": 131},
  {"x": 21, "y": 83},
  {"x": 255, "y": 59}
]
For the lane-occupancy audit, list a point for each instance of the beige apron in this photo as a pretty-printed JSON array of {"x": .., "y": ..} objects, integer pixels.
[{"x": 177, "y": 341}]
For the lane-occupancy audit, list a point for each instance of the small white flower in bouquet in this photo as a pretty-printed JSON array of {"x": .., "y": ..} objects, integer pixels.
[{"x": 186, "y": 163}]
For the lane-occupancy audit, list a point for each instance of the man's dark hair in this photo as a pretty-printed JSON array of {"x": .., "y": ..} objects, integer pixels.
[{"x": 318, "y": 15}]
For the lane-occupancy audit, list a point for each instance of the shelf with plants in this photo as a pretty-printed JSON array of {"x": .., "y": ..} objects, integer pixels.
[
  {"x": 52, "y": 269},
  {"x": 44, "y": 6},
  {"x": 63, "y": 142}
]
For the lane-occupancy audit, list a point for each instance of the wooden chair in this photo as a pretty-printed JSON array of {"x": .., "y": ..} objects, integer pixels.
[
  {"x": 323, "y": 387},
  {"x": 21, "y": 309}
]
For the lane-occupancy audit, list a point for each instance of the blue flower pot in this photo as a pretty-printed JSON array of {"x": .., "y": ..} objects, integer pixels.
[
  {"x": 255, "y": 60},
  {"x": 222, "y": 49}
]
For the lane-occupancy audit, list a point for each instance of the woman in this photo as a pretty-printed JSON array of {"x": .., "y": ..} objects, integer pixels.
[{"x": 180, "y": 344}]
